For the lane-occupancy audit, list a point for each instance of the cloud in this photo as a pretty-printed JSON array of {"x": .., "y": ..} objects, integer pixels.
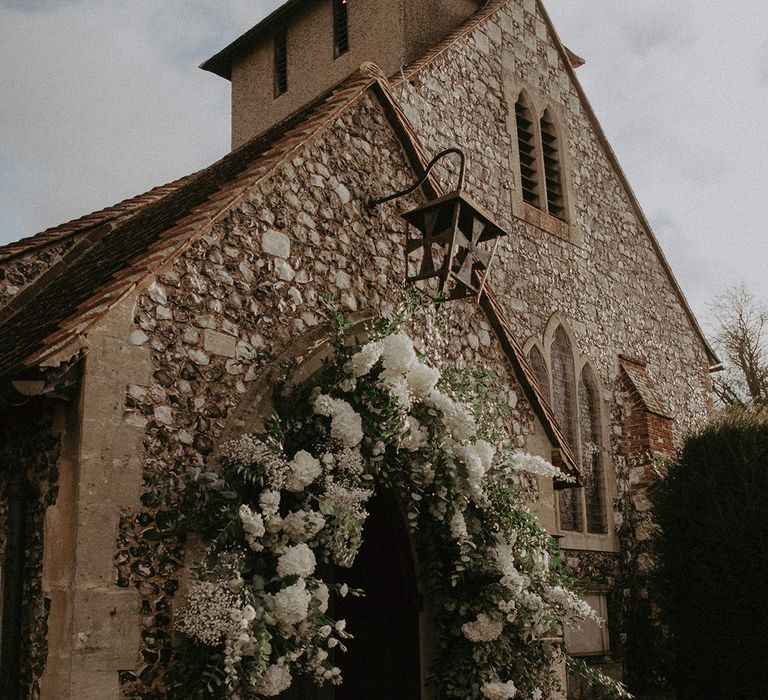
[{"x": 103, "y": 100}]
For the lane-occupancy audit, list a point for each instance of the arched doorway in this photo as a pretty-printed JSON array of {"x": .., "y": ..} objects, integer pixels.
[
  {"x": 383, "y": 659},
  {"x": 393, "y": 640}
]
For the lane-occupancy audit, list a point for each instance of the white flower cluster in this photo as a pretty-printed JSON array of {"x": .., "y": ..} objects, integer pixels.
[
  {"x": 240, "y": 641},
  {"x": 499, "y": 691},
  {"x": 483, "y": 629},
  {"x": 277, "y": 679},
  {"x": 303, "y": 469},
  {"x": 575, "y": 608},
  {"x": 206, "y": 614},
  {"x": 291, "y": 605},
  {"x": 249, "y": 450},
  {"x": 533, "y": 464},
  {"x": 415, "y": 436},
  {"x": 364, "y": 361},
  {"x": 298, "y": 560},
  {"x": 457, "y": 418},
  {"x": 346, "y": 424},
  {"x": 477, "y": 458},
  {"x": 303, "y": 525},
  {"x": 314, "y": 508},
  {"x": 253, "y": 526},
  {"x": 402, "y": 375}
]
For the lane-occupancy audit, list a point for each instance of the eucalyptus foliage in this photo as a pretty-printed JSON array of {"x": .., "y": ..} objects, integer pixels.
[{"x": 288, "y": 504}]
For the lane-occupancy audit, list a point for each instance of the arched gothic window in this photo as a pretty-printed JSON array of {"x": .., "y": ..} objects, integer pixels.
[
  {"x": 550, "y": 147},
  {"x": 575, "y": 400},
  {"x": 540, "y": 370},
  {"x": 591, "y": 454},
  {"x": 564, "y": 406},
  {"x": 528, "y": 151}
]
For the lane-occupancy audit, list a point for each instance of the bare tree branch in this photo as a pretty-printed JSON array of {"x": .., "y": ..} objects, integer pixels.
[{"x": 741, "y": 336}]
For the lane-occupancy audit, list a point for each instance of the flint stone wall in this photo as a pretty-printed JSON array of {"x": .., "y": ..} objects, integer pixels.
[
  {"x": 609, "y": 282},
  {"x": 249, "y": 290}
]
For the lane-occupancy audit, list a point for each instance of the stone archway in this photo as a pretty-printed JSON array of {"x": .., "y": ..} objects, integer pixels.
[
  {"x": 383, "y": 660},
  {"x": 391, "y": 654}
]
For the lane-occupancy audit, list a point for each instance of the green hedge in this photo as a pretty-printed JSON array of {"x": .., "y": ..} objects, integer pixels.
[{"x": 712, "y": 580}]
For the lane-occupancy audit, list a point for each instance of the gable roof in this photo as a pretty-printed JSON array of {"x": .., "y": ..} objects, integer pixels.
[
  {"x": 118, "y": 254},
  {"x": 643, "y": 386},
  {"x": 571, "y": 61}
]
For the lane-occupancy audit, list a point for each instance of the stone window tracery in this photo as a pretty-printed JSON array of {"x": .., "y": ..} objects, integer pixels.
[
  {"x": 569, "y": 384},
  {"x": 541, "y": 162}
]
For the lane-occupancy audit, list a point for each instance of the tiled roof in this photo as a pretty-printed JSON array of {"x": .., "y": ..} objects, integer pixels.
[
  {"x": 115, "y": 256},
  {"x": 527, "y": 377},
  {"x": 118, "y": 254},
  {"x": 88, "y": 223},
  {"x": 644, "y": 387}
]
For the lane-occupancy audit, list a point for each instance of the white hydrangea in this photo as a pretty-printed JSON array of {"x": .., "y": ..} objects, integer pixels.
[
  {"x": 346, "y": 424},
  {"x": 269, "y": 502},
  {"x": 422, "y": 379},
  {"x": 483, "y": 629},
  {"x": 497, "y": 690},
  {"x": 291, "y": 604},
  {"x": 364, "y": 361},
  {"x": 399, "y": 390},
  {"x": 533, "y": 464},
  {"x": 469, "y": 455},
  {"x": 414, "y": 435},
  {"x": 302, "y": 525},
  {"x": 459, "y": 421},
  {"x": 253, "y": 525},
  {"x": 397, "y": 354},
  {"x": 298, "y": 560},
  {"x": 275, "y": 680},
  {"x": 303, "y": 469}
]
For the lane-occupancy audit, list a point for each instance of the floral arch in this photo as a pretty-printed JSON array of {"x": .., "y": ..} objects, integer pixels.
[{"x": 289, "y": 500}]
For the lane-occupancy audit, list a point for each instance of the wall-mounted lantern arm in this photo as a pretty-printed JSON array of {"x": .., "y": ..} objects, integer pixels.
[
  {"x": 373, "y": 203},
  {"x": 451, "y": 240}
]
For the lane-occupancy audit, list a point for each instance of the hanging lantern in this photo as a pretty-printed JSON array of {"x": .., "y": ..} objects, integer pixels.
[{"x": 451, "y": 239}]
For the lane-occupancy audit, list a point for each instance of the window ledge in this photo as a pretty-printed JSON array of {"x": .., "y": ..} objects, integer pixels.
[
  {"x": 550, "y": 224},
  {"x": 585, "y": 542}
]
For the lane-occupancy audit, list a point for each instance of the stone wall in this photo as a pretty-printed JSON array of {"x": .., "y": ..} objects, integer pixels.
[
  {"x": 606, "y": 279},
  {"x": 246, "y": 292},
  {"x": 598, "y": 270},
  {"x": 18, "y": 272},
  {"x": 29, "y": 441}
]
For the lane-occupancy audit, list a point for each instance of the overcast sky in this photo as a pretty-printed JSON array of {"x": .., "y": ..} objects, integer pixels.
[{"x": 102, "y": 99}]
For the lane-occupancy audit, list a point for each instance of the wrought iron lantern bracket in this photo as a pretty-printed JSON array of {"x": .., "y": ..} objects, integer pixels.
[{"x": 450, "y": 239}]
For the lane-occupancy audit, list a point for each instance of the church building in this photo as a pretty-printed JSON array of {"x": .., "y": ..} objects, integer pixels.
[{"x": 137, "y": 339}]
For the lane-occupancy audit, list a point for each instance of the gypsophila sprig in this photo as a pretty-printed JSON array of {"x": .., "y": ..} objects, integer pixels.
[{"x": 290, "y": 504}]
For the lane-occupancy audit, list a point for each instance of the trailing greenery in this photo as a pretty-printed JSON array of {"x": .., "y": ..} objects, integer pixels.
[
  {"x": 712, "y": 508},
  {"x": 288, "y": 504}
]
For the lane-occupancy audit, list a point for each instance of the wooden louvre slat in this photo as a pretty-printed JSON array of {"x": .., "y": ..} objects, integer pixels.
[
  {"x": 527, "y": 152},
  {"x": 552, "y": 175},
  {"x": 281, "y": 62}
]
